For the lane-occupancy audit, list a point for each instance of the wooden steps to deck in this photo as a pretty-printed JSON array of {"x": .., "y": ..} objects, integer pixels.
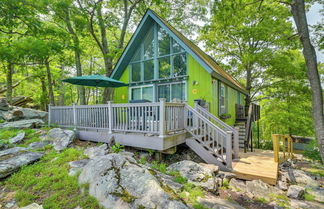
[{"x": 257, "y": 165}]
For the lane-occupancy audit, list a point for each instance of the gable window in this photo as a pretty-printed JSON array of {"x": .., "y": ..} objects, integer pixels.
[
  {"x": 159, "y": 56},
  {"x": 223, "y": 96},
  {"x": 172, "y": 91}
]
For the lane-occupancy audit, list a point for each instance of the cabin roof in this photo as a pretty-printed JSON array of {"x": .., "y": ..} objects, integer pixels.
[{"x": 204, "y": 59}]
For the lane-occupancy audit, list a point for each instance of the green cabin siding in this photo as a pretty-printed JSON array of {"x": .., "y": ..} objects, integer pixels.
[
  {"x": 199, "y": 82},
  {"x": 121, "y": 93}
]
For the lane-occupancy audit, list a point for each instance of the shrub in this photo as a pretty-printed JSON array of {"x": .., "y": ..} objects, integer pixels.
[
  {"x": 117, "y": 148},
  {"x": 312, "y": 151}
]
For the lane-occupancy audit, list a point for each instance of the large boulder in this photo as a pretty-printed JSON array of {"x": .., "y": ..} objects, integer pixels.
[
  {"x": 60, "y": 138},
  {"x": 194, "y": 171},
  {"x": 300, "y": 177},
  {"x": 296, "y": 192},
  {"x": 39, "y": 145},
  {"x": 93, "y": 152},
  {"x": 117, "y": 181},
  {"x": 33, "y": 114},
  {"x": 77, "y": 166},
  {"x": 32, "y": 123},
  {"x": 18, "y": 138},
  {"x": 12, "y": 164},
  {"x": 11, "y": 151}
]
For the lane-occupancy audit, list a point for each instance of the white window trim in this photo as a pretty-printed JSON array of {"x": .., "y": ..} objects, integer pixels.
[{"x": 141, "y": 87}]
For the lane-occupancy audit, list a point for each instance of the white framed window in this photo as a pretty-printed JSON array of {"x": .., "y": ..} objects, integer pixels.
[
  {"x": 172, "y": 91},
  {"x": 222, "y": 98},
  {"x": 142, "y": 93}
]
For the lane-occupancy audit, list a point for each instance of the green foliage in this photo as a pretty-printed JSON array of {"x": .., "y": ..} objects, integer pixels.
[
  {"x": 191, "y": 192},
  {"x": 162, "y": 167},
  {"x": 142, "y": 160},
  {"x": 2, "y": 121},
  {"x": 308, "y": 197},
  {"x": 117, "y": 148},
  {"x": 199, "y": 206},
  {"x": 225, "y": 184},
  {"x": 49, "y": 182},
  {"x": 180, "y": 179},
  {"x": 261, "y": 200},
  {"x": 312, "y": 151}
]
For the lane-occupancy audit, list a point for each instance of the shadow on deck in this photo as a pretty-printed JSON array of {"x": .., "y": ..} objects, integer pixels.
[{"x": 256, "y": 165}]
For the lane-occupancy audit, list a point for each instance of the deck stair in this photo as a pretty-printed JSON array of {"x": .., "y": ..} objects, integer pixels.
[
  {"x": 213, "y": 140},
  {"x": 240, "y": 125}
]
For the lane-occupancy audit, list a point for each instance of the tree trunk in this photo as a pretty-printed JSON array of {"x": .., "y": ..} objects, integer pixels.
[
  {"x": 105, "y": 53},
  {"x": 43, "y": 99},
  {"x": 299, "y": 15},
  {"x": 49, "y": 81},
  {"x": 248, "y": 88},
  {"x": 61, "y": 97},
  {"x": 9, "y": 82},
  {"x": 77, "y": 55}
]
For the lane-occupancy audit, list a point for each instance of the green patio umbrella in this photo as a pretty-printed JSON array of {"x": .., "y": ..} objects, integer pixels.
[{"x": 96, "y": 81}]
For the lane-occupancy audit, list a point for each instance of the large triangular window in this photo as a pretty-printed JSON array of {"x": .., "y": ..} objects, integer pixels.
[{"x": 159, "y": 56}]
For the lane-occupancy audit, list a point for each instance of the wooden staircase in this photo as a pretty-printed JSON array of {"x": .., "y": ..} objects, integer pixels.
[
  {"x": 241, "y": 126},
  {"x": 212, "y": 139}
]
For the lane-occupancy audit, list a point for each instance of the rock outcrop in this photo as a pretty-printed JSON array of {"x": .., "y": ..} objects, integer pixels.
[
  {"x": 117, "y": 181},
  {"x": 93, "y": 152},
  {"x": 20, "y": 136},
  {"x": 296, "y": 192},
  {"x": 12, "y": 164},
  {"x": 30, "y": 123},
  {"x": 60, "y": 138}
]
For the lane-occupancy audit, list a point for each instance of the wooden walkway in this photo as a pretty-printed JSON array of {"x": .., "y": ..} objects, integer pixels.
[{"x": 257, "y": 165}]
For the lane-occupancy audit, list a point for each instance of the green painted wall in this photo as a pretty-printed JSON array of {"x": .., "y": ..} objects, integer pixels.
[
  {"x": 203, "y": 87},
  {"x": 121, "y": 93}
]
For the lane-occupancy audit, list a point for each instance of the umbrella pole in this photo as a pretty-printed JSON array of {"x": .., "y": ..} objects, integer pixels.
[{"x": 96, "y": 94}]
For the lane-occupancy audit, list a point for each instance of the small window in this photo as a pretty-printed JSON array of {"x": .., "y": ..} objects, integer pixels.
[
  {"x": 179, "y": 65},
  {"x": 222, "y": 99},
  {"x": 149, "y": 45},
  {"x": 136, "y": 72},
  {"x": 136, "y": 93},
  {"x": 176, "y": 47},
  {"x": 147, "y": 93},
  {"x": 178, "y": 92},
  {"x": 148, "y": 70},
  {"x": 164, "y": 42},
  {"x": 164, "y": 92},
  {"x": 164, "y": 67}
]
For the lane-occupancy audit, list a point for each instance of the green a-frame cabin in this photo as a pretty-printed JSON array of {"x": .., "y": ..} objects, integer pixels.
[{"x": 159, "y": 62}]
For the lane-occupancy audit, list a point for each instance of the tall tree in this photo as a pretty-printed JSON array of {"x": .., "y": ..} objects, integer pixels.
[
  {"x": 299, "y": 15},
  {"x": 245, "y": 34}
]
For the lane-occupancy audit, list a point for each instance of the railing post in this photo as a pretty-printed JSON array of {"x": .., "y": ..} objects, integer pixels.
[
  {"x": 275, "y": 141},
  {"x": 49, "y": 115},
  {"x": 236, "y": 142},
  {"x": 110, "y": 125},
  {"x": 162, "y": 117},
  {"x": 196, "y": 105},
  {"x": 74, "y": 116},
  {"x": 229, "y": 149}
]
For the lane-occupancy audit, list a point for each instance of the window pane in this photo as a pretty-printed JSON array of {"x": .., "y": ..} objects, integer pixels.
[
  {"x": 164, "y": 42},
  {"x": 176, "y": 47},
  {"x": 164, "y": 92},
  {"x": 178, "y": 92},
  {"x": 148, "y": 70},
  {"x": 164, "y": 67},
  {"x": 149, "y": 45},
  {"x": 136, "y": 72},
  {"x": 148, "y": 93},
  {"x": 136, "y": 94},
  {"x": 179, "y": 65},
  {"x": 137, "y": 55}
]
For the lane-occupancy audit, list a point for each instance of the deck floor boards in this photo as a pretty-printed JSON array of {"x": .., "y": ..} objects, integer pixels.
[{"x": 256, "y": 165}]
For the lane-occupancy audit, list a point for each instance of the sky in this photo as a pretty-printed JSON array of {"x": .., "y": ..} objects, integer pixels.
[{"x": 314, "y": 17}]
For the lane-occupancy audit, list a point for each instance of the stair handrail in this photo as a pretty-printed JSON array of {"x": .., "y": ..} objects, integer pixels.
[
  {"x": 227, "y": 127},
  {"x": 217, "y": 120},
  {"x": 202, "y": 117},
  {"x": 226, "y": 134}
]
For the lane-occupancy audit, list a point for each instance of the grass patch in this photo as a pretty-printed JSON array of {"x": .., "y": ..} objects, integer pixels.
[
  {"x": 226, "y": 185},
  {"x": 261, "y": 200},
  {"x": 191, "y": 192},
  {"x": 47, "y": 182},
  {"x": 281, "y": 199},
  {"x": 142, "y": 160},
  {"x": 6, "y": 134},
  {"x": 309, "y": 197},
  {"x": 162, "y": 167},
  {"x": 199, "y": 206}
]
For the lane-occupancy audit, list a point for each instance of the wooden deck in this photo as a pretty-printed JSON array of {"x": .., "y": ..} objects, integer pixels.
[{"x": 257, "y": 165}]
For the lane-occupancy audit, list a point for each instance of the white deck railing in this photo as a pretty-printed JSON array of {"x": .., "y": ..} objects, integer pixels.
[{"x": 158, "y": 118}]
